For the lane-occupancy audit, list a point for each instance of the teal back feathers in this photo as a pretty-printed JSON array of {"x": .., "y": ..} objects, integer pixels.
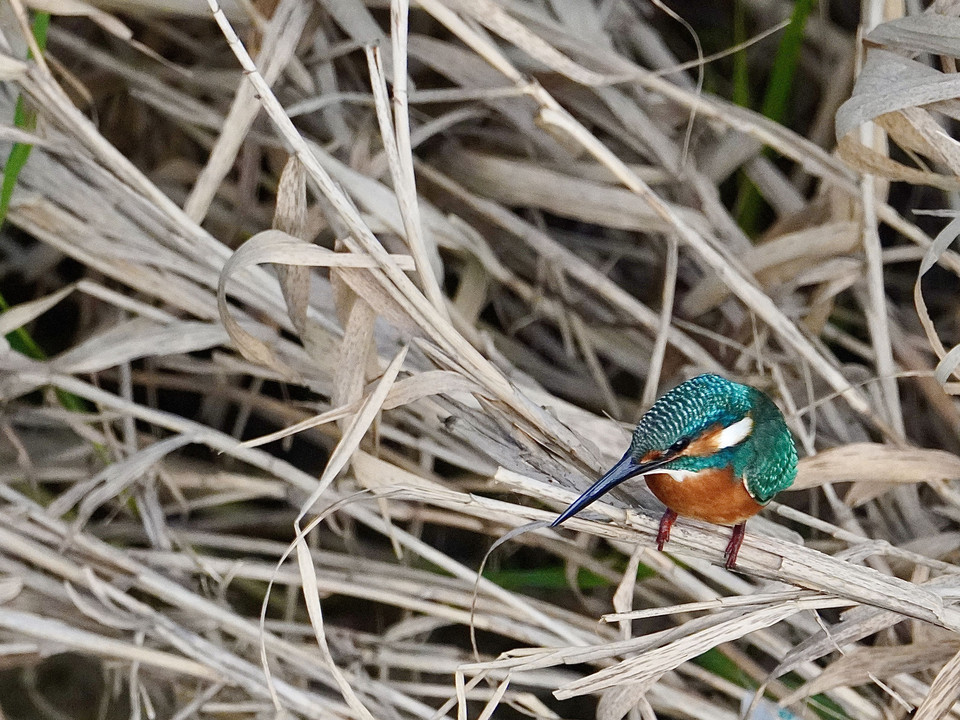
[{"x": 765, "y": 457}]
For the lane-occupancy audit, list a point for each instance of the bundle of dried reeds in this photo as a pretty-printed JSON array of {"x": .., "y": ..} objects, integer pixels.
[{"x": 450, "y": 253}]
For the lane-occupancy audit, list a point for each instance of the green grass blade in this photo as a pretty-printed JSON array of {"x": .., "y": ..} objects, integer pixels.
[
  {"x": 784, "y": 71},
  {"x": 741, "y": 69},
  {"x": 22, "y": 118},
  {"x": 20, "y": 340},
  {"x": 776, "y": 102}
]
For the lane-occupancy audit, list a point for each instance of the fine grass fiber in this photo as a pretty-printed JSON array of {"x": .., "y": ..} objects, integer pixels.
[{"x": 311, "y": 302}]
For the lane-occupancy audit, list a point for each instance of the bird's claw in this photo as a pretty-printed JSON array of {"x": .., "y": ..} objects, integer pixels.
[{"x": 666, "y": 524}]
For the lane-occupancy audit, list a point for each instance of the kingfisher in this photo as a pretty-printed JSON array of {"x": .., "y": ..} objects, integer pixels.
[{"x": 710, "y": 449}]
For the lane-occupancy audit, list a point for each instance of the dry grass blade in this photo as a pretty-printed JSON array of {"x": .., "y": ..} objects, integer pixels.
[
  {"x": 23, "y": 314},
  {"x": 279, "y": 44},
  {"x": 650, "y": 666},
  {"x": 76, "y": 8},
  {"x": 864, "y": 665},
  {"x": 291, "y": 217},
  {"x": 135, "y": 339},
  {"x": 943, "y": 692},
  {"x": 948, "y": 360},
  {"x": 871, "y": 465},
  {"x": 450, "y": 276},
  {"x": 42, "y": 628},
  {"x": 891, "y": 83},
  {"x": 396, "y": 134}
]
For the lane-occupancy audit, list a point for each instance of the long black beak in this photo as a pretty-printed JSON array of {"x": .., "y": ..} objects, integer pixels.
[{"x": 626, "y": 468}]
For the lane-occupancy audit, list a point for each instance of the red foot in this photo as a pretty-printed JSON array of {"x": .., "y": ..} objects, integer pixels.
[
  {"x": 733, "y": 547},
  {"x": 666, "y": 522}
]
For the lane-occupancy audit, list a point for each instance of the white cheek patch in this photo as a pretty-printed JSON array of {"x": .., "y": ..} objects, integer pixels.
[
  {"x": 678, "y": 475},
  {"x": 736, "y": 433}
]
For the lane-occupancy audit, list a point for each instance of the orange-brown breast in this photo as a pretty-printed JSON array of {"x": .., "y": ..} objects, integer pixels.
[{"x": 715, "y": 496}]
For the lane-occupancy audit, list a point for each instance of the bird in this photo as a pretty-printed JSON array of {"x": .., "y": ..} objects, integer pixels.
[{"x": 710, "y": 449}]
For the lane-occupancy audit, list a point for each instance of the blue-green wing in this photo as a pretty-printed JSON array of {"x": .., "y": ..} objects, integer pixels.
[{"x": 773, "y": 465}]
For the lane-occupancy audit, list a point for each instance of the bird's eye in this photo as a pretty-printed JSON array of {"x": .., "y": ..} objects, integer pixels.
[{"x": 678, "y": 447}]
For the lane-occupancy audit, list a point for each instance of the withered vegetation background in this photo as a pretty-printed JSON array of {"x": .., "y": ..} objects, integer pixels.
[{"x": 466, "y": 244}]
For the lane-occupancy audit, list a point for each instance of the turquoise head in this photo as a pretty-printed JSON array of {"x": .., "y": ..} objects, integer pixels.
[{"x": 708, "y": 422}]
